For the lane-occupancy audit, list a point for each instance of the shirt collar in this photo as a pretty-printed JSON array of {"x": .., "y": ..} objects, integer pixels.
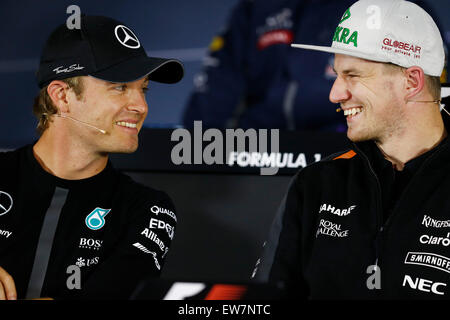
[{"x": 379, "y": 162}]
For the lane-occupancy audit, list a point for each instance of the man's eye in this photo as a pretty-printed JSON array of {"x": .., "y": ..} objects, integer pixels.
[{"x": 121, "y": 87}]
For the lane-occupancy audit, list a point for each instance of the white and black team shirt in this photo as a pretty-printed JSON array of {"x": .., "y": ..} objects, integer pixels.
[{"x": 115, "y": 231}]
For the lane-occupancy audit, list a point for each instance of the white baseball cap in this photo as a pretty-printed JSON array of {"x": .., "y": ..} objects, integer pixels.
[{"x": 395, "y": 31}]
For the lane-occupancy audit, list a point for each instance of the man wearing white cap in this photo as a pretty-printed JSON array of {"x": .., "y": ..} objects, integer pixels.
[{"x": 374, "y": 221}]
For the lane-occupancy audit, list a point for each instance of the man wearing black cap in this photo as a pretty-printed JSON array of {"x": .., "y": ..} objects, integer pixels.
[{"x": 71, "y": 226}]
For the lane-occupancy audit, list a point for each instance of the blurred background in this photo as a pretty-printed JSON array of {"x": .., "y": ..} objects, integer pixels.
[
  {"x": 240, "y": 72},
  {"x": 185, "y": 30},
  {"x": 177, "y": 29}
]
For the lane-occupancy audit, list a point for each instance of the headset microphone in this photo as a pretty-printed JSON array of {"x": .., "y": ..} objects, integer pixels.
[
  {"x": 82, "y": 122},
  {"x": 443, "y": 108}
]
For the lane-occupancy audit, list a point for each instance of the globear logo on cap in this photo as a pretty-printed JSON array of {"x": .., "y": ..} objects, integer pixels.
[{"x": 126, "y": 37}]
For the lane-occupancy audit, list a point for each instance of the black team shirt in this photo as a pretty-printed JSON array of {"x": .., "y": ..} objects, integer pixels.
[
  {"x": 114, "y": 230},
  {"x": 393, "y": 182}
]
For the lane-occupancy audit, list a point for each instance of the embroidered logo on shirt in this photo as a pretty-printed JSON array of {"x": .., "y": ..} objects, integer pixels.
[
  {"x": 429, "y": 259},
  {"x": 157, "y": 210},
  {"x": 6, "y": 203},
  {"x": 331, "y": 229},
  {"x": 434, "y": 223},
  {"x": 336, "y": 211},
  {"x": 144, "y": 249},
  {"x": 96, "y": 219},
  {"x": 84, "y": 262}
]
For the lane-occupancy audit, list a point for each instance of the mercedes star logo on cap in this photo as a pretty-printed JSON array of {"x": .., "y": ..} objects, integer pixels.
[
  {"x": 103, "y": 48},
  {"x": 126, "y": 37},
  {"x": 6, "y": 203}
]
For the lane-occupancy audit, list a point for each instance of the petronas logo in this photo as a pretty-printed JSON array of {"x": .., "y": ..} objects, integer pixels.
[{"x": 345, "y": 16}]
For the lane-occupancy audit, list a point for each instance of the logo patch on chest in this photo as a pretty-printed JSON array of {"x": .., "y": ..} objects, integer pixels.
[
  {"x": 337, "y": 211},
  {"x": 96, "y": 219},
  {"x": 331, "y": 229}
]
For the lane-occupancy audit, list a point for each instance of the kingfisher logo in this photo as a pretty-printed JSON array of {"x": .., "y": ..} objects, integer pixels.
[{"x": 96, "y": 219}]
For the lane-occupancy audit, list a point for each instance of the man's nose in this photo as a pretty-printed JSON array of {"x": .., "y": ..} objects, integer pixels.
[
  {"x": 339, "y": 92},
  {"x": 138, "y": 102}
]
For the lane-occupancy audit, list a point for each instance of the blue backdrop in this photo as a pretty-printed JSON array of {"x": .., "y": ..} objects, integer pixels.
[{"x": 170, "y": 28}]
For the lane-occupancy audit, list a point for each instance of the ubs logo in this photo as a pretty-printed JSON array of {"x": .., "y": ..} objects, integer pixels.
[{"x": 6, "y": 203}]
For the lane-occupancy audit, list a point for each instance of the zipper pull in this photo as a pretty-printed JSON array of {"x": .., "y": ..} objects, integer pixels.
[{"x": 378, "y": 245}]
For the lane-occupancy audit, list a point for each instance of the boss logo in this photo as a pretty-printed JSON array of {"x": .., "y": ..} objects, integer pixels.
[{"x": 90, "y": 244}]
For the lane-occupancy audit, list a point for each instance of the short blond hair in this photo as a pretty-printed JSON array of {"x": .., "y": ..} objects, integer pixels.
[{"x": 43, "y": 107}]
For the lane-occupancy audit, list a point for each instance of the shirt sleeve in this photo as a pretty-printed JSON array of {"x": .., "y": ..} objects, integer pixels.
[
  {"x": 281, "y": 260},
  {"x": 140, "y": 253}
]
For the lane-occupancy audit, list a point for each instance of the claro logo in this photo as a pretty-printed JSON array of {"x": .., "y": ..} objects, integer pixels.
[{"x": 424, "y": 285}]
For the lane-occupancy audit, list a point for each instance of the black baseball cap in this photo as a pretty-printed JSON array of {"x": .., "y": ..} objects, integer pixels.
[{"x": 103, "y": 48}]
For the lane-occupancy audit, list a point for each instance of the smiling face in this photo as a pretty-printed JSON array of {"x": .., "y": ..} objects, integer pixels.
[
  {"x": 118, "y": 108},
  {"x": 370, "y": 96}
]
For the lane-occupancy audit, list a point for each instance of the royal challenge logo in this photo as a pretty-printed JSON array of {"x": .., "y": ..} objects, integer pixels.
[{"x": 96, "y": 219}]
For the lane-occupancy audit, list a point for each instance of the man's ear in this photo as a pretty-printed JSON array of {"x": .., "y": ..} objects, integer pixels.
[
  {"x": 415, "y": 81},
  {"x": 57, "y": 91}
]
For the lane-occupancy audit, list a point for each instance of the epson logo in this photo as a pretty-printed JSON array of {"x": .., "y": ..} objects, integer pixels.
[
  {"x": 424, "y": 285},
  {"x": 159, "y": 224},
  {"x": 90, "y": 244}
]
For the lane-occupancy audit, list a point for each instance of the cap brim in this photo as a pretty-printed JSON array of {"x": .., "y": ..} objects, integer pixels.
[
  {"x": 157, "y": 69},
  {"x": 338, "y": 51}
]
